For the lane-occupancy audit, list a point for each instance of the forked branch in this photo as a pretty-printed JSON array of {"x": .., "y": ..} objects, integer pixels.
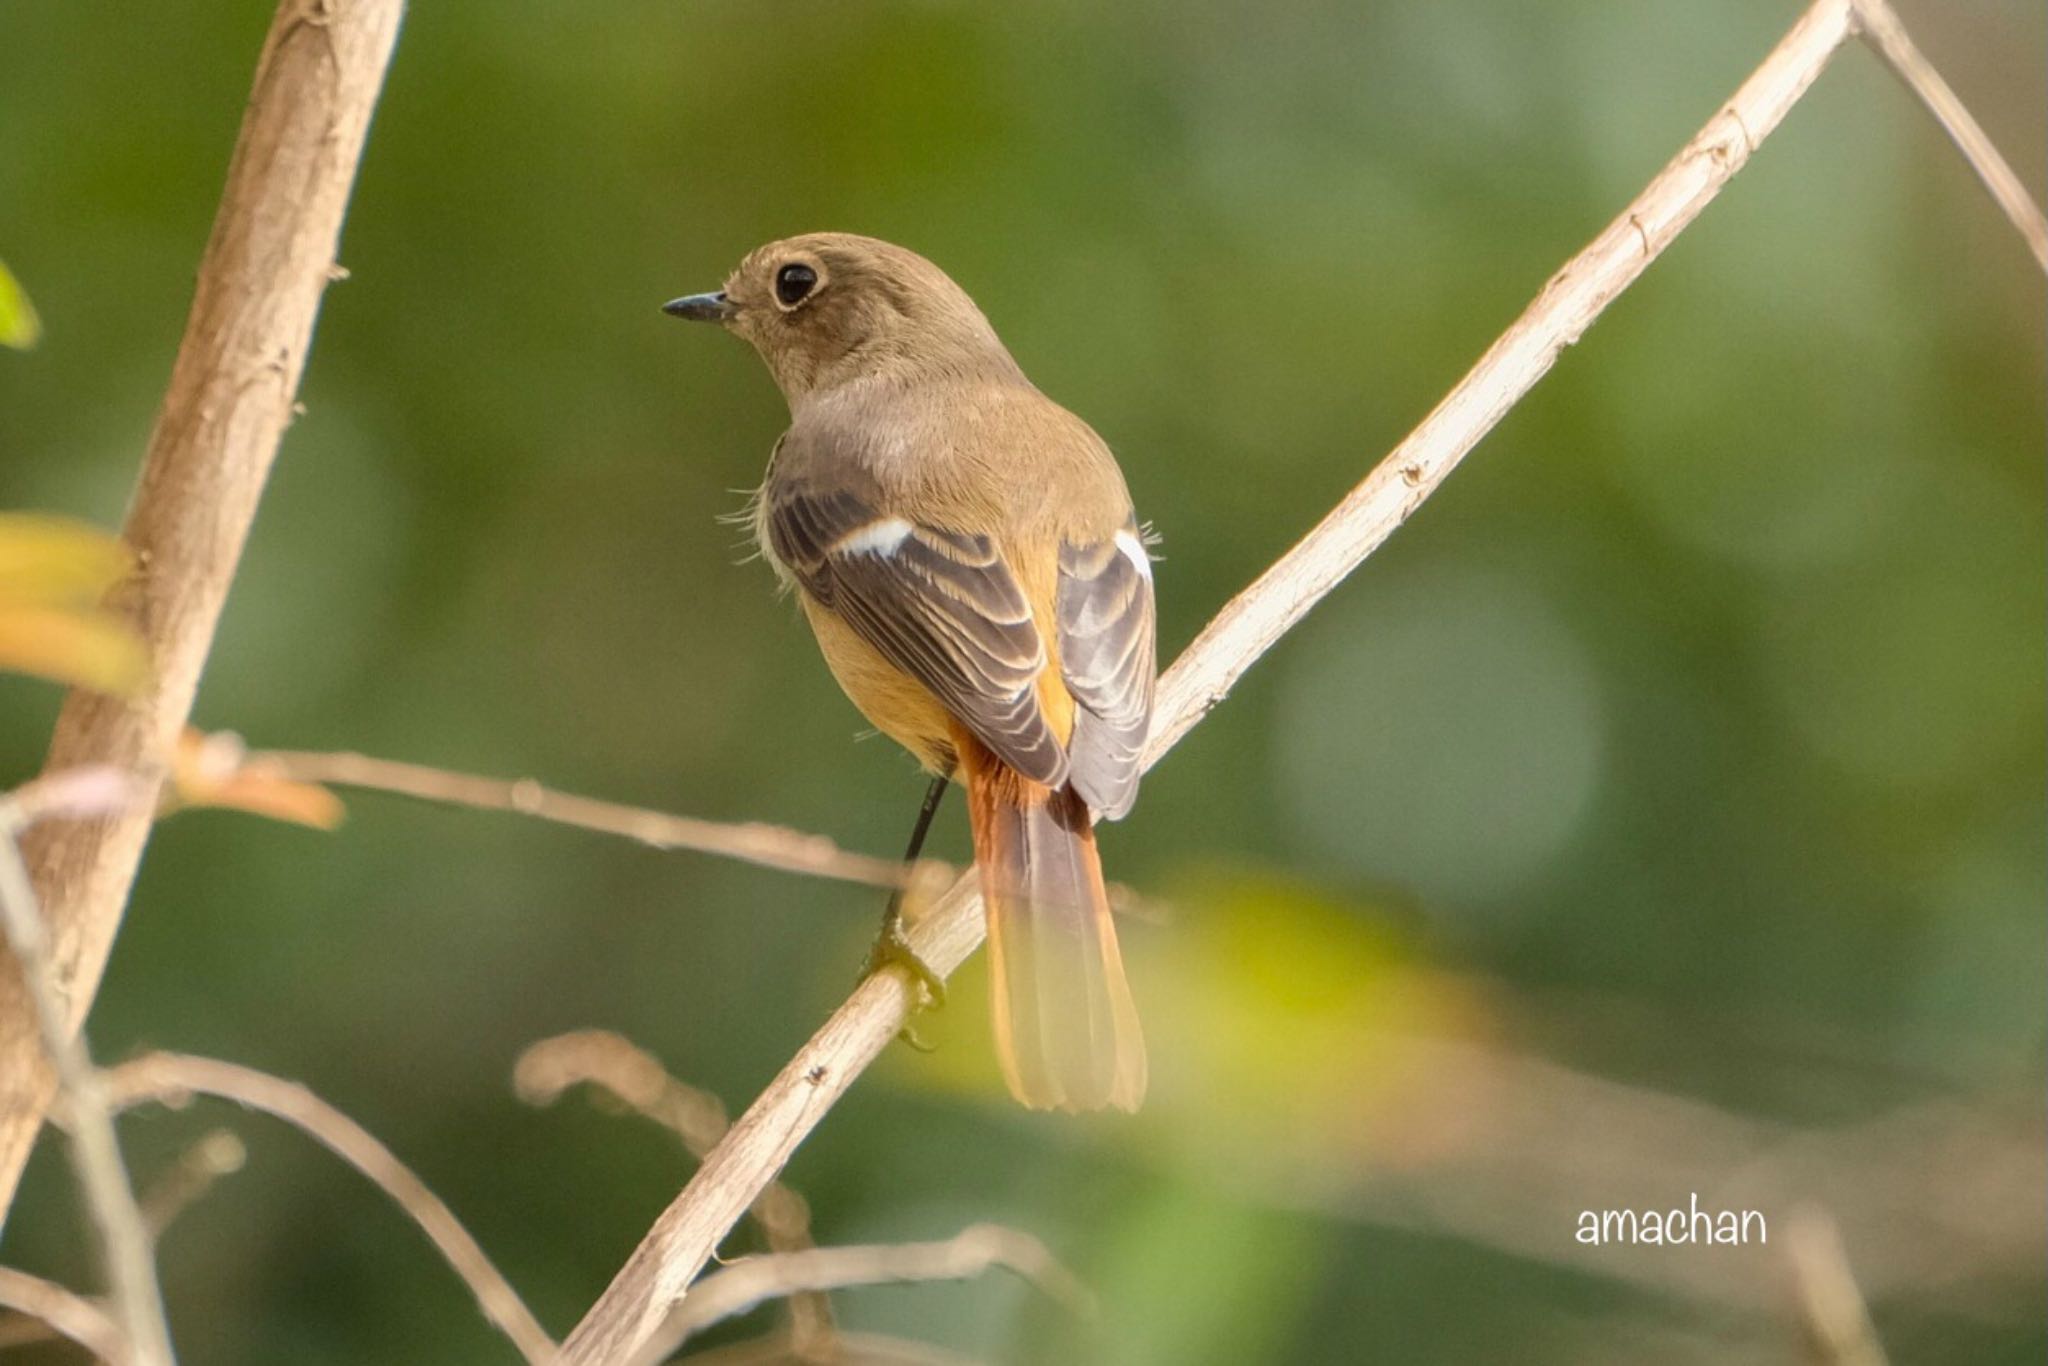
[
  {"x": 635, "y": 1078},
  {"x": 754, "y": 1280},
  {"x": 96, "y": 1151},
  {"x": 47, "y": 1305}
]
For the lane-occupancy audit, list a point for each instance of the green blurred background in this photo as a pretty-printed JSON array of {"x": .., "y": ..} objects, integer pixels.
[{"x": 1660, "y": 812}]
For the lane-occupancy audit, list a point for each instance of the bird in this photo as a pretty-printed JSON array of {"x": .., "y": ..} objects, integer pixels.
[{"x": 966, "y": 552}]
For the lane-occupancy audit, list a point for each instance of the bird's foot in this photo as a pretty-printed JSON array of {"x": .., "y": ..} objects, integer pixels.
[{"x": 892, "y": 949}]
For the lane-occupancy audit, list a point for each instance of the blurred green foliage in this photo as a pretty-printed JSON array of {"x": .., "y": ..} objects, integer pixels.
[{"x": 1707, "y": 695}]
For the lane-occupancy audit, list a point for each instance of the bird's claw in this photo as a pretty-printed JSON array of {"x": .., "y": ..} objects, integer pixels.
[{"x": 892, "y": 948}]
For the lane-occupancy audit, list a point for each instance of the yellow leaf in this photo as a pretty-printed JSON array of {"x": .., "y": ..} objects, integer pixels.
[
  {"x": 208, "y": 771},
  {"x": 91, "y": 649},
  {"x": 280, "y": 799},
  {"x": 53, "y": 561},
  {"x": 20, "y": 328}
]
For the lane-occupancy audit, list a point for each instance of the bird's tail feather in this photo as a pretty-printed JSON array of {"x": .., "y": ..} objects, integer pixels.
[{"x": 1066, "y": 1031}]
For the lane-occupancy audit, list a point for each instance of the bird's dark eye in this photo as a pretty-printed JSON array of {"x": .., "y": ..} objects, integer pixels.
[{"x": 793, "y": 282}]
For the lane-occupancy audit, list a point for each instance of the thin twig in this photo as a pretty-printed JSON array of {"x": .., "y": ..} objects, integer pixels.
[
  {"x": 171, "y": 1078},
  {"x": 49, "y": 1305},
  {"x": 109, "y": 1199},
  {"x": 622, "y": 1069},
  {"x": 754, "y": 1280},
  {"x": 761, "y": 1142},
  {"x": 231, "y": 395},
  {"x": 1882, "y": 28},
  {"x": 757, "y": 842},
  {"x": 1833, "y": 1320},
  {"x": 635, "y": 1078},
  {"x": 197, "y": 1170},
  {"x": 771, "y": 846}
]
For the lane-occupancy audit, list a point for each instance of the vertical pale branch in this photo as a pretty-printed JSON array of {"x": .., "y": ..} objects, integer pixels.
[
  {"x": 230, "y": 398},
  {"x": 685, "y": 1235},
  {"x": 109, "y": 1198}
]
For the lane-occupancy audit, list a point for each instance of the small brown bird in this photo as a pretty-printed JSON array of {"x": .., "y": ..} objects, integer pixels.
[{"x": 965, "y": 550}]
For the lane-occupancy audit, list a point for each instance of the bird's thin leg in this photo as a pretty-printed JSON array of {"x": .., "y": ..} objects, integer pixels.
[
  {"x": 933, "y": 795},
  {"x": 891, "y": 945}
]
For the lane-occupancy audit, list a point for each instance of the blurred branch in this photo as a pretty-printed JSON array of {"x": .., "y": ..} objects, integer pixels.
[
  {"x": 217, "y": 1154},
  {"x": 1832, "y": 1315},
  {"x": 109, "y": 1199},
  {"x": 1882, "y": 28},
  {"x": 684, "y": 1235},
  {"x": 771, "y": 846},
  {"x": 172, "y": 1078},
  {"x": 229, "y": 400},
  {"x": 747, "y": 1283},
  {"x": 855, "y": 1349},
  {"x": 45, "y": 1305},
  {"x": 618, "y": 1067},
  {"x": 1944, "y": 1201},
  {"x": 635, "y": 1078}
]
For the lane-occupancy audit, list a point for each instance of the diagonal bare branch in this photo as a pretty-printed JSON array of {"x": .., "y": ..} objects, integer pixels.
[
  {"x": 683, "y": 1237},
  {"x": 172, "y": 1078}
]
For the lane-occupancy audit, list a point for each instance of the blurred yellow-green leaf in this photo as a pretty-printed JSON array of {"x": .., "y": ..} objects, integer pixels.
[
  {"x": 91, "y": 649},
  {"x": 1293, "y": 1016},
  {"x": 20, "y": 328},
  {"x": 53, "y": 574},
  {"x": 57, "y": 562}
]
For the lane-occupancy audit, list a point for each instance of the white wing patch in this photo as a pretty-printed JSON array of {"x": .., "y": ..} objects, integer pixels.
[
  {"x": 883, "y": 537},
  {"x": 1134, "y": 550}
]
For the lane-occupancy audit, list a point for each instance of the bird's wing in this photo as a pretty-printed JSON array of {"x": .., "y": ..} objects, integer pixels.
[
  {"x": 1108, "y": 658},
  {"x": 940, "y": 605}
]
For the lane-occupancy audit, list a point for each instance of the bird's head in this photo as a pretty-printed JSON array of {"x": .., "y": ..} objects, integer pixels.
[{"x": 830, "y": 308}]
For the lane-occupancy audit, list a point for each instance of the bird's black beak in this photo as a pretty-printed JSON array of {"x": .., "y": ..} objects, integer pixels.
[{"x": 701, "y": 308}]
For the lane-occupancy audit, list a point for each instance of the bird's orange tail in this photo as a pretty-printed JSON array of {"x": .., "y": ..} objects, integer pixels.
[{"x": 1065, "y": 1029}]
